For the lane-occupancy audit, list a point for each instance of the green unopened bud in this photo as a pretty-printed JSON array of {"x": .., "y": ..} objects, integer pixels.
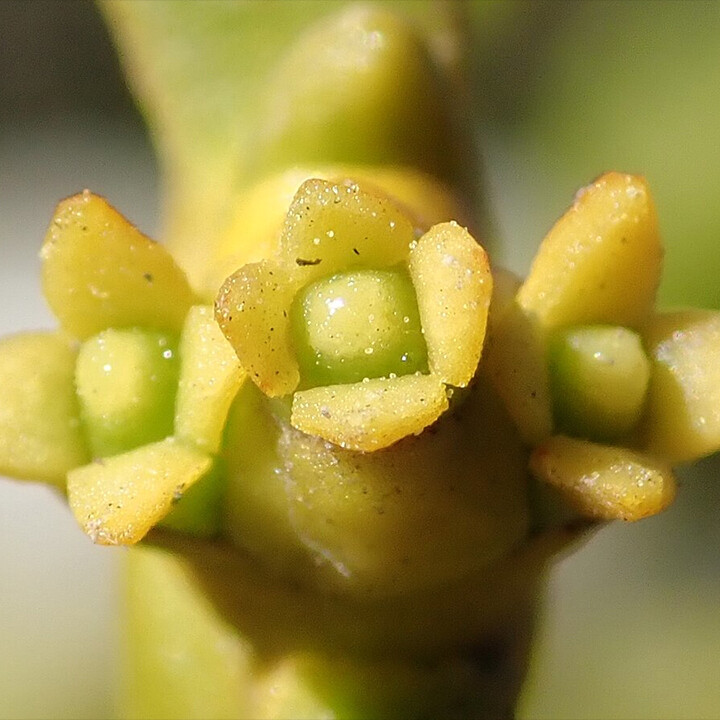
[
  {"x": 599, "y": 377},
  {"x": 356, "y": 325}
]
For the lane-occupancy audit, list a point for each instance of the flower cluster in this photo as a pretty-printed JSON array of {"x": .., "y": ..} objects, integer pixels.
[{"x": 363, "y": 326}]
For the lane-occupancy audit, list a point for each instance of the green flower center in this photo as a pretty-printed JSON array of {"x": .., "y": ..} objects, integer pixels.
[
  {"x": 126, "y": 381},
  {"x": 599, "y": 378},
  {"x": 356, "y": 325}
]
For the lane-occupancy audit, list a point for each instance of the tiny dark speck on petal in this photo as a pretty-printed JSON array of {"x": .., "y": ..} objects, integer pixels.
[
  {"x": 148, "y": 277},
  {"x": 356, "y": 251}
]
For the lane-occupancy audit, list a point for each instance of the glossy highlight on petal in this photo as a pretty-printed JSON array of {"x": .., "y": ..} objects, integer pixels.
[{"x": 254, "y": 230}]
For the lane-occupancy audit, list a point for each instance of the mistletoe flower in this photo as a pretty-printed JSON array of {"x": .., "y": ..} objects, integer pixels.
[
  {"x": 364, "y": 321},
  {"x": 608, "y": 391},
  {"x": 124, "y": 407}
]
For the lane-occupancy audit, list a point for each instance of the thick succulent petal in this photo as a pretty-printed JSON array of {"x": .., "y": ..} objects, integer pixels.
[
  {"x": 117, "y": 500},
  {"x": 372, "y": 414},
  {"x": 99, "y": 271},
  {"x": 331, "y": 227},
  {"x": 601, "y": 262},
  {"x": 40, "y": 430},
  {"x": 601, "y": 481},
  {"x": 514, "y": 362},
  {"x": 682, "y": 418},
  {"x": 210, "y": 377},
  {"x": 452, "y": 279},
  {"x": 253, "y": 311}
]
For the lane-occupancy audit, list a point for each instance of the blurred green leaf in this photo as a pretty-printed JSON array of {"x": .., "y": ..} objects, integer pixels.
[{"x": 613, "y": 85}]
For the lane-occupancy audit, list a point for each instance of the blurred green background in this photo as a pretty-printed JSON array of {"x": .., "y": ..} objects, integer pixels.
[{"x": 566, "y": 90}]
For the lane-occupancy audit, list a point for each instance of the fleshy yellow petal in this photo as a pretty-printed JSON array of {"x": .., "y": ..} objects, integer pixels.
[
  {"x": 601, "y": 262},
  {"x": 40, "y": 430},
  {"x": 253, "y": 233},
  {"x": 99, "y": 271},
  {"x": 372, "y": 414},
  {"x": 117, "y": 500},
  {"x": 602, "y": 481},
  {"x": 253, "y": 311},
  {"x": 514, "y": 362},
  {"x": 452, "y": 279},
  {"x": 331, "y": 227},
  {"x": 210, "y": 377},
  {"x": 682, "y": 418}
]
